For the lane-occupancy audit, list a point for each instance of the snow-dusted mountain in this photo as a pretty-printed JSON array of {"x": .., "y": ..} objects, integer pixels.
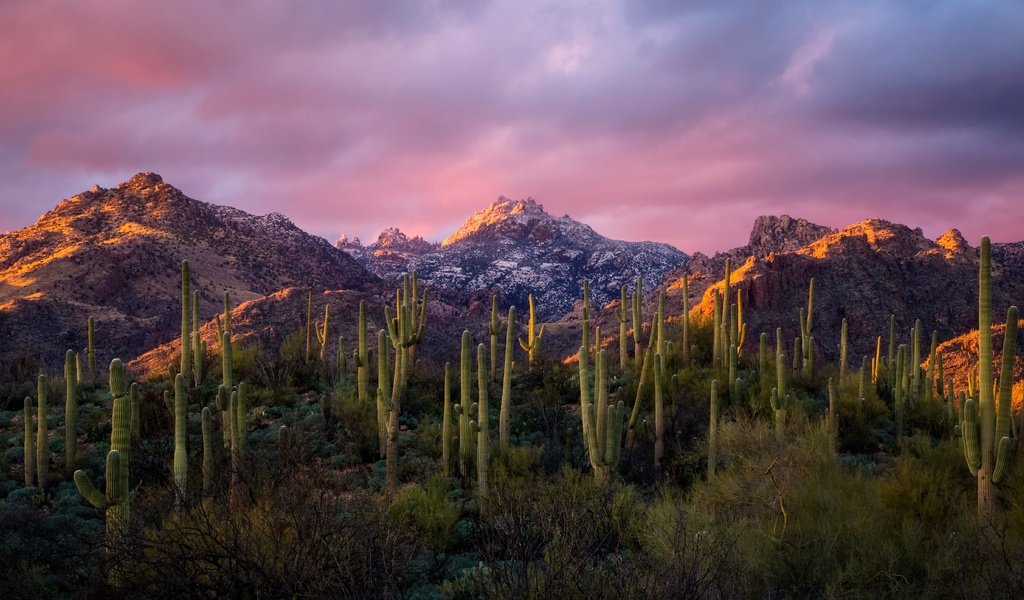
[{"x": 515, "y": 247}]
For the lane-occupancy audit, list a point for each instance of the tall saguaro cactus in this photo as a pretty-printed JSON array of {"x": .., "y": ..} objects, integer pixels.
[
  {"x": 684, "y": 322},
  {"x": 465, "y": 404},
  {"x": 362, "y": 357},
  {"x": 70, "y": 412},
  {"x": 483, "y": 432},
  {"x": 986, "y": 434},
  {"x": 622, "y": 316},
  {"x": 42, "y": 441},
  {"x": 116, "y": 498},
  {"x": 505, "y": 414},
  {"x": 180, "y": 434},
  {"x": 494, "y": 329},
  {"x": 601, "y": 422},
  {"x": 806, "y": 339},
  {"x": 186, "y": 323},
  {"x": 446, "y": 423}
]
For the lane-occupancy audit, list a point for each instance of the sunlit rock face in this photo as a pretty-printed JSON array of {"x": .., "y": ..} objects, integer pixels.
[
  {"x": 115, "y": 254},
  {"x": 515, "y": 248},
  {"x": 864, "y": 272}
]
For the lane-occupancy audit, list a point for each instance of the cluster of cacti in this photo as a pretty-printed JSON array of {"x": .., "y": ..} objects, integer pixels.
[
  {"x": 533, "y": 336},
  {"x": 986, "y": 428},
  {"x": 780, "y": 400},
  {"x": 116, "y": 499},
  {"x": 659, "y": 411},
  {"x": 601, "y": 422},
  {"x": 405, "y": 331}
]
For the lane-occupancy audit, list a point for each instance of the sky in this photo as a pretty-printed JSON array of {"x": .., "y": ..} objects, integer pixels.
[{"x": 660, "y": 120}]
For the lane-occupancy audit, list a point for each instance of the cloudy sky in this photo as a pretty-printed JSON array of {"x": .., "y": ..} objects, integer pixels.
[{"x": 667, "y": 120}]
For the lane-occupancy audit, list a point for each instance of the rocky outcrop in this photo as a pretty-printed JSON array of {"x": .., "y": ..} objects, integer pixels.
[
  {"x": 864, "y": 273},
  {"x": 388, "y": 257},
  {"x": 115, "y": 254}
]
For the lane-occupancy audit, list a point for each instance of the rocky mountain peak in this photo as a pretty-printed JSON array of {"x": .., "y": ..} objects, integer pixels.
[
  {"x": 953, "y": 242},
  {"x": 783, "y": 234},
  {"x": 141, "y": 180},
  {"x": 505, "y": 217}
]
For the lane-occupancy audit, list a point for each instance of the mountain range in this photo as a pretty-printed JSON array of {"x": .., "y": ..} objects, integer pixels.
[{"x": 115, "y": 253}]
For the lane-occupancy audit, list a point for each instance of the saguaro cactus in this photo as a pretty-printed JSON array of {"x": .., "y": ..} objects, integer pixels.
[
  {"x": 465, "y": 404},
  {"x": 684, "y": 322},
  {"x": 494, "y": 329},
  {"x": 321, "y": 330},
  {"x": 505, "y": 414},
  {"x": 186, "y": 324},
  {"x": 42, "y": 440},
  {"x": 446, "y": 423},
  {"x": 363, "y": 357},
  {"x": 533, "y": 336},
  {"x": 70, "y": 412},
  {"x": 638, "y": 322},
  {"x": 806, "y": 341},
  {"x": 713, "y": 430},
  {"x": 207, "y": 423},
  {"x": 659, "y": 412},
  {"x": 483, "y": 433},
  {"x": 227, "y": 376},
  {"x": 601, "y": 422},
  {"x": 116, "y": 499},
  {"x": 622, "y": 316},
  {"x": 30, "y": 445},
  {"x": 180, "y": 434},
  {"x": 842, "y": 352},
  {"x": 986, "y": 434}
]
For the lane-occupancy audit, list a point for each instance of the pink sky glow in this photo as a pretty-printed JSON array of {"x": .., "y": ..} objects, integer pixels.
[{"x": 649, "y": 120}]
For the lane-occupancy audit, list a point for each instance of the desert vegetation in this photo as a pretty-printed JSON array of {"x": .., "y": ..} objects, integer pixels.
[{"x": 676, "y": 457}]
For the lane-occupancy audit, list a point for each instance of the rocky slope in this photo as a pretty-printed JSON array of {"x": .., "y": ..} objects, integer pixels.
[
  {"x": 115, "y": 254},
  {"x": 863, "y": 273},
  {"x": 514, "y": 247}
]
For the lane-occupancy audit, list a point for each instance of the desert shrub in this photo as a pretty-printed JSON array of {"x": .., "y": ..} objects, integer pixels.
[{"x": 430, "y": 513}]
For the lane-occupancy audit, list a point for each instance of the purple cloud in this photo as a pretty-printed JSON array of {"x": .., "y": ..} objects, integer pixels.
[{"x": 670, "y": 121}]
